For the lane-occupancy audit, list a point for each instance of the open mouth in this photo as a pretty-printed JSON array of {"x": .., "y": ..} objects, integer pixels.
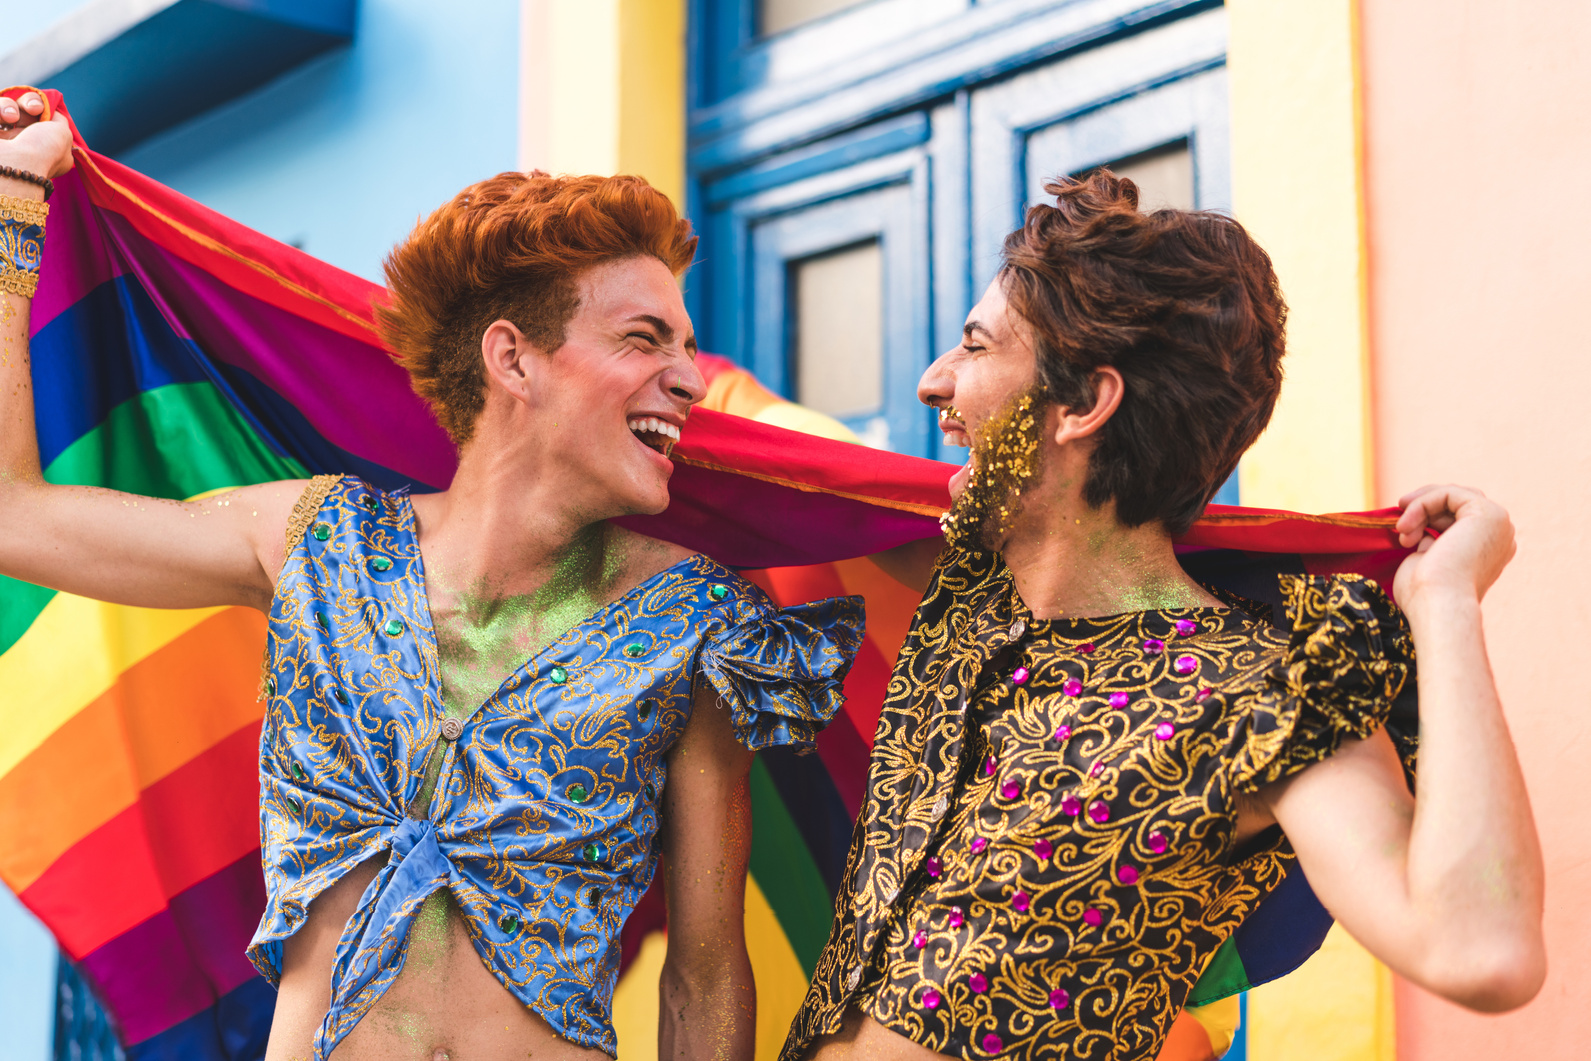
[
  {"x": 954, "y": 429},
  {"x": 656, "y": 434}
]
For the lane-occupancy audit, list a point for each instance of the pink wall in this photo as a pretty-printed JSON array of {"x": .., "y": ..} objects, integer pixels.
[{"x": 1478, "y": 157}]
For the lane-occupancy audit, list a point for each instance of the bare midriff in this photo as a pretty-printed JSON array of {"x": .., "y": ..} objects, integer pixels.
[{"x": 445, "y": 1004}]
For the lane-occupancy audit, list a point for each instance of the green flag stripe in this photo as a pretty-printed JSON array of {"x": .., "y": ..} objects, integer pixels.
[
  {"x": 1223, "y": 977},
  {"x": 786, "y": 872},
  {"x": 174, "y": 442}
]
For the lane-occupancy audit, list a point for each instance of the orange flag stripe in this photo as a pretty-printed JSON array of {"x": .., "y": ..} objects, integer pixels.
[{"x": 161, "y": 713}]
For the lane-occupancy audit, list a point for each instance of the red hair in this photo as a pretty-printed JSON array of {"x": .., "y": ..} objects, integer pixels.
[{"x": 511, "y": 248}]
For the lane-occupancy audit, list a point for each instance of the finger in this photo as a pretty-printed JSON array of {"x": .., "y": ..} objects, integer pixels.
[
  {"x": 8, "y": 110},
  {"x": 33, "y": 103},
  {"x": 1408, "y": 498}
]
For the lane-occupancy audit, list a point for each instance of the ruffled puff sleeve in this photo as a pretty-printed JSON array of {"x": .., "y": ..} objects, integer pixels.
[
  {"x": 1348, "y": 670},
  {"x": 780, "y": 672}
]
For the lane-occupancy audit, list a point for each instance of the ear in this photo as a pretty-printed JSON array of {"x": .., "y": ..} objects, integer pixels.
[
  {"x": 511, "y": 359},
  {"x": 1109, "y": 388}
]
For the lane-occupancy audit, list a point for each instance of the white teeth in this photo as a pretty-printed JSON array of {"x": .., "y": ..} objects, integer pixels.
[{"x": 650, "y": 425}]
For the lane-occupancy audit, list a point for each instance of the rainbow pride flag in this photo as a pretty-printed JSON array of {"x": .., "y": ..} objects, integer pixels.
[{"x": 176, "y": 353}]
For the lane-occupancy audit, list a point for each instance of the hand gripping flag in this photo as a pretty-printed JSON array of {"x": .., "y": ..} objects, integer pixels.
[{"x": 175, "y": 354}]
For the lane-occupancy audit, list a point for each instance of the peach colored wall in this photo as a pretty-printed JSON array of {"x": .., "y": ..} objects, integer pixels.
[{"x": 1478, "y": 153}]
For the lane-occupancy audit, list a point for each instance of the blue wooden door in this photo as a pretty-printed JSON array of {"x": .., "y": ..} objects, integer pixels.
[{"x": 854, "y": 167}]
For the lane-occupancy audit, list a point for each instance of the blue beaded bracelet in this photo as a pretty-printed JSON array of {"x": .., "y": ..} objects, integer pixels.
[{"x": 21, "y": 244}]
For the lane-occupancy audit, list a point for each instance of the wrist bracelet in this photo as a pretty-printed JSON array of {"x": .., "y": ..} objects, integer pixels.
[
  {"x": 30, "y": 178},
  {"x": 21, "y": 244}
]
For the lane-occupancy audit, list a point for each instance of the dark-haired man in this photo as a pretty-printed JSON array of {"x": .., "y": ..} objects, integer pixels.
[{"x": 1079, "y": 774}]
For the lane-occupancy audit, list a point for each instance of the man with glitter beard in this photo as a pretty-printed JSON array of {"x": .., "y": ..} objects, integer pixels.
[{"x": 1090, "y": 767}]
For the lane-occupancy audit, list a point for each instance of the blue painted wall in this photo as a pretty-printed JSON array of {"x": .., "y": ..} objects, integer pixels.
[{"x": 342, "y": 155}]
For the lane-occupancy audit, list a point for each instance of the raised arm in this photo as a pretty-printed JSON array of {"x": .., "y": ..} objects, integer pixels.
[
  {"x": 1444, "y": 887},
  {"x": 709, "y": 1001},
  {"x": 100, "y": 543}
]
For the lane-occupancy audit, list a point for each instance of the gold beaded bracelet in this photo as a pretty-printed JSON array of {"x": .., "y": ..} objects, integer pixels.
[{"x": 21, "y": 244}]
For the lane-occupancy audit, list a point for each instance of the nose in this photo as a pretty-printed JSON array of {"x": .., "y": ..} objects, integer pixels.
[
  {"x": 938, "y": 384},
  {"x": 685, "y": 382}
]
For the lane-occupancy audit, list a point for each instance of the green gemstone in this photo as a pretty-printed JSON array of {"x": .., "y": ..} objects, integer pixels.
[
  {"x": 321, "y": 620},
  {"x": 509, "y": 923},
  {"x": 380, "y": 563},
  {"x": 718, "y": 592},
  {"x": 342, "y": 697},
  {"x": 270, "y": 686},
  {"x": 577, "y": 792},
  {"x": 394, "y": 627},
  {"x": 298, "y": 772},
  {"x": 294, "y": 806},
  {"x": 634, "y": 649},
  {"x": 558, "y": 675},
  {"x": 651, "y": 792},
  {"x": 643, "y": 710},
  {"x": 594, "y": 898},
  {"x": 592, "y": 852},
  {"x": 371, "y": 503},
  {"x": 322, "y": 531}
]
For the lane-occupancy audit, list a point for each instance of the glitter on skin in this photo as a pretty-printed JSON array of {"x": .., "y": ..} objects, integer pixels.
[{"x": 1005, "y": 458}]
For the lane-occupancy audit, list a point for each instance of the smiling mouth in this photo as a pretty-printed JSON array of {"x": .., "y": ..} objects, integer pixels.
[
  {"x": 951, "y": 424},
  {"x": 656, "y": 434}
]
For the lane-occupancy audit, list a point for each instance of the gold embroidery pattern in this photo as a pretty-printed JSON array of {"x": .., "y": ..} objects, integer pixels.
[
  {"x": 307, "y": 505},
  {"x": 1043, "y": 868}
]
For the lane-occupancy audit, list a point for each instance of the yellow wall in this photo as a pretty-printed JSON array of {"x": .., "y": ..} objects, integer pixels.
[
  {"x": 1297, "y": 154},
  {"x": 602, "y": 89},
  {"x": 1296, "y": 184}
]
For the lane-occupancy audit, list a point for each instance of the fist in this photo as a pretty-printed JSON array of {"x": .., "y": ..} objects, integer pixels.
[
  {"x": 1476, "y": 542},
  {"x": 29, "y": 143}
]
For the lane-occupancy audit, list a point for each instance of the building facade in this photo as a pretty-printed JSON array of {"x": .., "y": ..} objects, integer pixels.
[{"x": 852, "y": 166}]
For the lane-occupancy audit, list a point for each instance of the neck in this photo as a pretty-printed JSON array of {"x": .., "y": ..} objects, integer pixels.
[
  {"x": 1072, "y": 561},
  {"x": 508, "y": 522}
]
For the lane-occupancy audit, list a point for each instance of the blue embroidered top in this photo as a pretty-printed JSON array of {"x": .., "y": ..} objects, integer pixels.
[{"x": 545, "y": 818}]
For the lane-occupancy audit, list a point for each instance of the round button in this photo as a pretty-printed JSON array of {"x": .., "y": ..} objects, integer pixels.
[
  {"x": 1018, "y": 628},
  {"x": 452, "y": 729},
  {"x": 940, "y": 807},
  {"x": 890, "y": 895},
  {"x": 854, "y": 978}
]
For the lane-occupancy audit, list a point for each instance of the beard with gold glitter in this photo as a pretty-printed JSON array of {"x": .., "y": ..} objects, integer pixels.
[{"x": 1005, "y": 458}]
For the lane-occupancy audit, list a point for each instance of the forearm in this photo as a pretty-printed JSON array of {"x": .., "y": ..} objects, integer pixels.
[
  {"x": 709, "y": 1008},
  {"x": 19, "y": 448},
  {"x": 1474, "y": 864}
]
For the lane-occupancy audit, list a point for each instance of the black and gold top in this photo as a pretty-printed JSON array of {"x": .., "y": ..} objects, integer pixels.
[{"x": 1045, "y": 861}]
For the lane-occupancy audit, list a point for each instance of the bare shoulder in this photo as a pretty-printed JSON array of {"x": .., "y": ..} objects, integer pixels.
[{"x": 265, "y": 510}]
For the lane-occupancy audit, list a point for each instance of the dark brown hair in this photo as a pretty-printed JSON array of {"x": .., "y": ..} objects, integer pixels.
[
  {"x": 1184, "y": 304},
  {"x": 511, "y": 248}
]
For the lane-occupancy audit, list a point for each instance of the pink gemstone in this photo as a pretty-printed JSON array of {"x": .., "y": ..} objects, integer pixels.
[
  {"x": 1093, "y": 917},
  {"x": 1010, "y": 789},
  {"x": 1019, "y": 676},
  {"x": 978, "y": 844},
  {"x": 978, "y": 982},
  {"x": 1042, "y": 849},
  {"x": 931, "y": 999},
  {"x": 1186, "y": 664},
  {"x": 993, "y": 1044},
  {"x": 1157, "y": 842},
  {"x": 1186, "y": 627},
  {"x": 1099, "y": 812},
  {"x": 956, "y": 917},
  {"x": 989, "y": 766},
  {"x": 1071, "y": 806},
  {"x": 1154, "y": 646},
  {"x": 1097, "y": 769},
  {"x": 1204, "y": 694},
  {"x": 934, "y": 868},
  {"x": 1021, "y": 900},
  {"x": 920, "y": 939},
  {"x": 1062, "y": 733},
  {"x": 1059, "y": 999},
  {"x": 1119, "y": 700},
  {"x": 1165, "y": 731},
  {"x": 1073, "y": 687},
  {"x": 1127, "y": 875},
  {"x": 1086, "y": 649}
]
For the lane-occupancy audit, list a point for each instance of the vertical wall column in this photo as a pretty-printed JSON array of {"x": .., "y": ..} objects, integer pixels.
[
  {"x": 602, "y": 89},
  {"x": 1297, "y": 183}
]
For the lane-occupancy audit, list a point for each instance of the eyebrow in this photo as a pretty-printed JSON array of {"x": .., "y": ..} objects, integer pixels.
[{"x": 975, "y": 326}]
